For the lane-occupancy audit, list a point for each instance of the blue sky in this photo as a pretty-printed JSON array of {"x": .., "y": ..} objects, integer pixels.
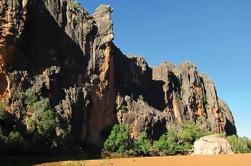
[{"x": 213, "y": 34}]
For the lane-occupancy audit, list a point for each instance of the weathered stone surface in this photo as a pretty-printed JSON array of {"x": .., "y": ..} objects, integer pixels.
[
  {"x": 192, "y": 96},
  {"x": 211, "y": 145},
  {"x": 61, "y": 52},
  {"x": 138, "y": 116}
]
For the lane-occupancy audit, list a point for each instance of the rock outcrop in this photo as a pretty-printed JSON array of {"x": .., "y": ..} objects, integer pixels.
[
  {"x": 189, "y": 95},
  {"x": 61, "y": 52},
  {"x": 212, "y": 145}
]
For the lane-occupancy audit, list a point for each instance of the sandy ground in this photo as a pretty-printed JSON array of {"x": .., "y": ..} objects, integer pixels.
[{"x": 215, "y": 160}]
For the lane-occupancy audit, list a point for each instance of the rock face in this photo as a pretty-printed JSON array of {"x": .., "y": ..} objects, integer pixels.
[
  {"x": 61, "y": 52},
  {"x": 211, "y": 145},
  {"x": 189, "y": 95}
]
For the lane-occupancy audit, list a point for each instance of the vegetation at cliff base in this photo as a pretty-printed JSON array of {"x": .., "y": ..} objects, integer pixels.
[
  {"x": 172, "y": 142},
  {"x": 37, "y": 129},
  {"x": 239, "y": 144},
  {"x": 142, "y": 145},
  {"x": 119, "y": 140}
]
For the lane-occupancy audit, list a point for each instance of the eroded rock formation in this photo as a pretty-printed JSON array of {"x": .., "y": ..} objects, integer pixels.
[{"x": 60, "y": 51}]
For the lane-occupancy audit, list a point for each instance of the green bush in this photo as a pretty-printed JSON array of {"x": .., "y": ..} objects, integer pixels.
[
  {"x": 179, "y": 141},
  {"x": 239, "y": 144},
  {"x": 119, "y": 140},
  {"x": 42, "y": 129},
  {"x": 4, "y": 116},
  {"x": 14, "y": 139},
  {"x": 175, "y": 141},
  {"x": 189, "y": 132},
  {"x": 167, "y": 144},
  {"x": 142, "y": 145},
  {"x": 44, "y": 123},
  {"x": 30, "y": 97}
]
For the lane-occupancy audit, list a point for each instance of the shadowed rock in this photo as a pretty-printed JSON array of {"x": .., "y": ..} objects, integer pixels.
[{"x": 61, "y": 52}]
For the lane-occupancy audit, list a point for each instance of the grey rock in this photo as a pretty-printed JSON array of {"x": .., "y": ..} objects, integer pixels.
[{"x": 212, "y": 145}]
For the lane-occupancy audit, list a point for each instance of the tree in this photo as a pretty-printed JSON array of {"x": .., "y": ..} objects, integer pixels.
[
  {"x": 240, "y": 144},
  {"x": 190, "y": 132},
  {"x": 119, "y": 140},
  {"x": 142, "y": 145},
  {"x": 44, "y": 123},
  {"x": 167, "y": 144}
]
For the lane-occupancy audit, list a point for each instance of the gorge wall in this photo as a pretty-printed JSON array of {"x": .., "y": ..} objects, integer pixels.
[{"x": 61, "y": 52}]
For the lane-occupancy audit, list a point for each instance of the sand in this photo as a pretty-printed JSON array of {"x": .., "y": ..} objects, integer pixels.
[{"x": 213, "y": 160}]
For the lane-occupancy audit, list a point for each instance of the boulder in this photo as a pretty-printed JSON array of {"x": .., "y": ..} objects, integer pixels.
[{"x": 212, "y": 145}]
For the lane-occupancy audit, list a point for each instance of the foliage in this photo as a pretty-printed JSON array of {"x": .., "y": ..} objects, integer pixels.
[
  {"x": 14, "y": 138},
  {"x": 190, "y": 132},
  {"x": 141, "y": 98},
  {"x": 44, "y": 122},
  {"x": 167, "y": 144},
  {"x": 74, "y": 4},
  {"x": 4, "y": 116},
  {"x": 30, "y": 97},
  {"x": 179, "y": 141},
  {"x": 39, "y": 127},
  {"x": 175, "y": 141},
  {"x": 119, "y": 140},
  {"x": 142, "y": 145},
  {"x": 123, "y": 108},
  {"x": 240, "y": 144}
]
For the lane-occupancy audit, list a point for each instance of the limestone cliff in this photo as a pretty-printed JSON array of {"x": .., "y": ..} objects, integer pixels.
[{"x": 60, "y": 51}]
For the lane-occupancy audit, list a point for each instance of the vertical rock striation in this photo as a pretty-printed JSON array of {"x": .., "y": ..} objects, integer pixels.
[{"x": 60, "y": 51}]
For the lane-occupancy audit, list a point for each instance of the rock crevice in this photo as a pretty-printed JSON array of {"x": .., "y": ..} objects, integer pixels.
[{"x": 57, "y": 49}]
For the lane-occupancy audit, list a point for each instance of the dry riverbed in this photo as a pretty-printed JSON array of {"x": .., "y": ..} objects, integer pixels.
[{"x": 213, "y": 160}]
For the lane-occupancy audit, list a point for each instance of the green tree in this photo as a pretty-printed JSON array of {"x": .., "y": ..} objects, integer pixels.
[
  {"x": 189, "y": 132},
  {"x": 44, "y": 123},
  {"x": 167, "y": 144},
  {"x": 30, "y": 97},
  {"x": 142, "y": 145},
  {"x": 240, "y": 144},
  {"x": 119, "y": 140}
]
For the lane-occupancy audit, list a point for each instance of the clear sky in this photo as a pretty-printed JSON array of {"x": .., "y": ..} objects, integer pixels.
[{"x": 213, "y": 34}]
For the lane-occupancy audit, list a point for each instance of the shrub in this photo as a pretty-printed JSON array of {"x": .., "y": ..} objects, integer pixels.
[
  {"x": 43, "y": 125},
  {"x": 44, "y": 122},
  {"x": 142, "y": 145},
  {"x": 14, "y": 138},
  {"x": 239, "y": 144},
  {"x": 119, "y": 140},
  {"x": 180, "y": 141},
  {"x": 190, "y": 132},
  {"x": 30, "y": 97},
  {"x": 74, "y": 4},
  {"x": 167, "y": 144},
  {"x": 4, "y": 115}
]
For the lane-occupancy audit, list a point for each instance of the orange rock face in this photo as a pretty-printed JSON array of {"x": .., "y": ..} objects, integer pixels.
[{"x": 4, "y": 32}]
